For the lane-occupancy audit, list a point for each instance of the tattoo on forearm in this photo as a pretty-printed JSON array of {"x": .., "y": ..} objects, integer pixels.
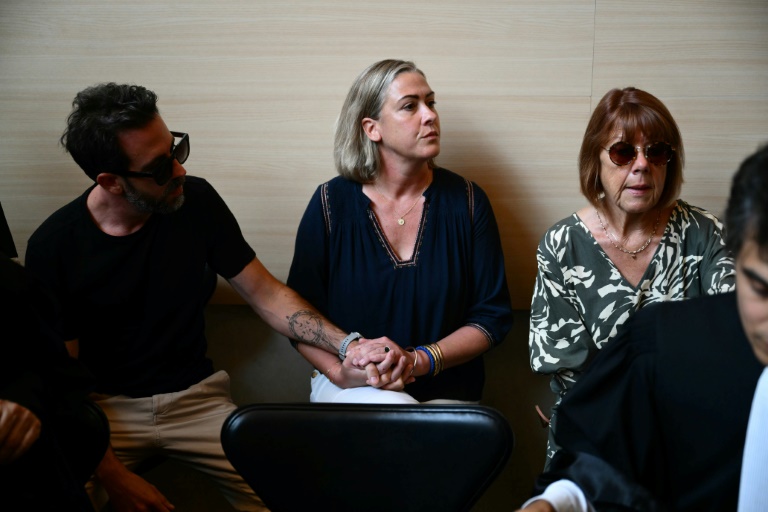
[{"x": 307, "y": 327}]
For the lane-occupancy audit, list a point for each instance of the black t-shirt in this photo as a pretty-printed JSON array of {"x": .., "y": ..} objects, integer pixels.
[{"x": 135, "y": 302}]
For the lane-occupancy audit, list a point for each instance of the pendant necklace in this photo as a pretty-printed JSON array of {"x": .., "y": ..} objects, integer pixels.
[
  {"x": 401, "y": 218},
  {"x": 621, "y": 247}
]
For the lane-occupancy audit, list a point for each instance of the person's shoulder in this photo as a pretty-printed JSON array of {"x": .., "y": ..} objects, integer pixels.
[
  {"x": 200, "y": 198},
  {"x": 338, "y": 184},
  {"x": 452, "y": 188},
  {"x": 706, "y": 304},
  {"x": 197, "y": 185},
  {"x": 569, "y": 222},
  {"x": 562, "y": 229},
  {"x": 444, "y": 176},
  {"x": 340, "y": 194},
  {"x": 688, "y": 212},
  {"x": 338, "y": 198},
  {"x": 447, "y": 181},
  {"x": 695, "y": 227},
  {"x": 58, "y": 224},
  {"x": 689, "y": 314}
]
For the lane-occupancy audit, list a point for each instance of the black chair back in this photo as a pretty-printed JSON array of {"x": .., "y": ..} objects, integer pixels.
[{"x": 355, "y": 457}]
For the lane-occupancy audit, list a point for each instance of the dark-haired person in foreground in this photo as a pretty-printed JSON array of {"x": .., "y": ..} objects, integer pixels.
[
  {"x": 128, "y": 261},
  {"x": 47, "y": 445},
  {"x": 659, "y": 420}
]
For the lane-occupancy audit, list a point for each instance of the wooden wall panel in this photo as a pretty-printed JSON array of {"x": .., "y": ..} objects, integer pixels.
[
  {"x": 708, "y": 62},
  {"x": 258, "y": 86},
  {"x": 686, "y": 48}
]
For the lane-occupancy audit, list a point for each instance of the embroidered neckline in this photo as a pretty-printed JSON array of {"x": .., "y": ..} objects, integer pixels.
[{"x": 394, "y": 258}]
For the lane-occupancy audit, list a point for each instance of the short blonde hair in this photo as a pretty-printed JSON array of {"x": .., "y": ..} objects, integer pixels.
[
  {"x": 632, "y": 112},
  {"x": 355, "y": 155}
]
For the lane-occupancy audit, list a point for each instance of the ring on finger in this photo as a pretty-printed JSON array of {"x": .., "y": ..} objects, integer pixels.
[{"x": 386, "y": 349}]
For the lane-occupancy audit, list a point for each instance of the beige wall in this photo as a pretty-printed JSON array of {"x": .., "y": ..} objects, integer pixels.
[{"x": 258, "y": 85}]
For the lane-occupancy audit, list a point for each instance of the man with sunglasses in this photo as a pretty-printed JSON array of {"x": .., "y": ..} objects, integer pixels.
[
  {"x": 130, "y": 261},
  {"x": 660, "y": 419}
]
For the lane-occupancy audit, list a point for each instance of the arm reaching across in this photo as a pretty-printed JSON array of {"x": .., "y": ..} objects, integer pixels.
[{"x": 286, "y": 312}]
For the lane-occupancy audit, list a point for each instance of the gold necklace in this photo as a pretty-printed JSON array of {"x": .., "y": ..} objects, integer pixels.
[
  {"x": 615, "y": 243},
  {"x": 401, "y": 218}
]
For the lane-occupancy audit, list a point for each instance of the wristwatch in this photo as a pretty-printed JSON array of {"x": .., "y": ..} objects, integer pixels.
[{"x": 345, "y": 343}]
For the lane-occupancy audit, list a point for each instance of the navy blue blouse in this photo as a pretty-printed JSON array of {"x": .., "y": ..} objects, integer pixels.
[{"x": 344, "y": 265}]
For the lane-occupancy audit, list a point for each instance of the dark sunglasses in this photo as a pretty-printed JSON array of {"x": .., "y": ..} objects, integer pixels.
[
  {"x": 623, "y": 153},
  {"x": 163, "y": 171}
]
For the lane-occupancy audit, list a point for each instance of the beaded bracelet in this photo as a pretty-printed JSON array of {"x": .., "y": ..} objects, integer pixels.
[
  {"x": 439, "y": 367},
  {"x": 429, "y": 356},
  {"x": 436, "y": 358}
]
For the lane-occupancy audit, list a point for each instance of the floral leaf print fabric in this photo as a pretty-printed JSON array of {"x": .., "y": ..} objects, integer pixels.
[{"x": 580, "y": 299}]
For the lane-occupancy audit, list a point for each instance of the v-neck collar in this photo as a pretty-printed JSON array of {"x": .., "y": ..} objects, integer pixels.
[{"x": 379, "y": 231}]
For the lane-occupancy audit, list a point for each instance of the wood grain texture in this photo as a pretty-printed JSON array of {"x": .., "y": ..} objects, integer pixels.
[{"x": 258, "y": 86}]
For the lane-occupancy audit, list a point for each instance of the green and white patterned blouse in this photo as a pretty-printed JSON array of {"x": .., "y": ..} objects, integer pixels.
[{"x": 580, "y": 299}]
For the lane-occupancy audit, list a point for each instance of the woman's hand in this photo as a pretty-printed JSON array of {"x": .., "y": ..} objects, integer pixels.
[
  {"x": 386, "y": 364},
  {"x": 346, "y": 375},
  {"x": 397, "y": 377}
]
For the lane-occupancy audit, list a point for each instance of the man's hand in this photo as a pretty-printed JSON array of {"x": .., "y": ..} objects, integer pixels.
[
  {"x": 386, "y": 364},
  {"x": 131, "y": 493},
  {"x": 384, "y": 352},
  {"x": 127, "y": 491},
  {"x": 19, "y": 429}
]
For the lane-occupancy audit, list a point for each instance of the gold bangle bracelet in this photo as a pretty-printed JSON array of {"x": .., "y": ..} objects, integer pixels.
[
  {"x": 438, "y": 367},
  {"x": 438, "y": 363},
  {"x": 415, "y": 360}
]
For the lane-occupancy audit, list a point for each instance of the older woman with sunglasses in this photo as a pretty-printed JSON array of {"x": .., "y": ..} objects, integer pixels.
[{"x": 635, "y": 244}]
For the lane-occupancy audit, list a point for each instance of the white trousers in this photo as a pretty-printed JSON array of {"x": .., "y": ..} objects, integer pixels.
[{"x": 323, "y": 390}]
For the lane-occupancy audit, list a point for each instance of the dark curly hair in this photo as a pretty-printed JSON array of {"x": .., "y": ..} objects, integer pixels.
[
  {"x": 746, "y": 216},
  {"x": 99, "y": 114}
]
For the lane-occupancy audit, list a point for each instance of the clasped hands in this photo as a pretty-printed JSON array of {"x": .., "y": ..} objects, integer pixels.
[{"x": 385, "y": 363}]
